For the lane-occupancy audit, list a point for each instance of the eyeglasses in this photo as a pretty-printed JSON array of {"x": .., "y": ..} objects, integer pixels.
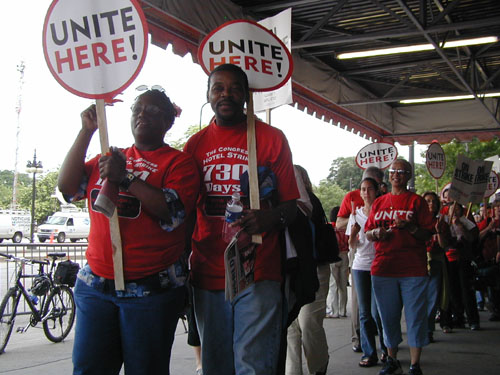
[
  {"x": 398, "y": 171},
  {"x": 149, "y": 109},
  {"x": 146, "y": 88}
]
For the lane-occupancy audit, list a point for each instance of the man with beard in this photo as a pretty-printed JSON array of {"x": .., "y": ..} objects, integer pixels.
[{"x": 242, "y": 336}]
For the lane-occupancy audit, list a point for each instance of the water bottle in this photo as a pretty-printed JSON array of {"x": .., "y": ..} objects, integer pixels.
[
  {"x": 33, "y": 299},
  {"x": 234, "y": 209}
]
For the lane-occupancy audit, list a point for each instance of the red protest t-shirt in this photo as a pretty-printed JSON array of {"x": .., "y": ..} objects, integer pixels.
[
  {"x": 342, "y": 239},
  {"x": 222, "y": 157},
  {"x": 346, "y": 205},
  {"x": 402, "y": 255},
  {"x": 489, "y": 245},
  {"x": 147, "y": 247}
]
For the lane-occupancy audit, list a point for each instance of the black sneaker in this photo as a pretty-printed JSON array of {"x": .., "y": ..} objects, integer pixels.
[
  {"x": 391, "y": 367},
  {"x": 415, "y": 370}
]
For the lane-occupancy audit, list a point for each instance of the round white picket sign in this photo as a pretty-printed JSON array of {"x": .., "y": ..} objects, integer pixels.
[
  {"x": 377, "y": 154},
  {"x": 261, "y": 54},
  {"x": 435, "y": 160},
  {"x": 492, "y": 185},
  {"x": 95, "y": 48}
]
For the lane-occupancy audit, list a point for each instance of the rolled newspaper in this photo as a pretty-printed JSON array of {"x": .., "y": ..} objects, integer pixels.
[{"x": 106, "y": 201}]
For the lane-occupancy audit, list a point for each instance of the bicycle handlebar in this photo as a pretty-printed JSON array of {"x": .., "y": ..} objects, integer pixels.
[{"x": 25, "y": 260}]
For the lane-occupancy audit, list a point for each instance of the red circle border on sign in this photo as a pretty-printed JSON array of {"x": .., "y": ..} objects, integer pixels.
[
  {"x": 427, "y": 166},
  {"x": 106, "y": 96},
  {"x": 205, "y": 40},
  {"x": 494, "y": 191},
  {"x": 369, "y": 144}
]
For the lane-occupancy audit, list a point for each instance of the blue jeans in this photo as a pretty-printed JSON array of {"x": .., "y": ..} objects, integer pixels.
[
  {"x": 392, "y": 293},
  {"x": 137, "y": 332},
  {"x": 434, "y": 292},
  {"x": 369, "y": 320},
  {"x": 242, "y": 337}
]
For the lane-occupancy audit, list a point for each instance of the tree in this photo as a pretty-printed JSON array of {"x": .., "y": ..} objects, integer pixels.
[
  {"x": 345, "y": 173},
  {"x": 179, "y": 143},
  {"x": 45, "y": 205},
  {"x": 423, "y": 180},
  {"x": 330, "y": 194},
  {"x": 6, "y": 183}
]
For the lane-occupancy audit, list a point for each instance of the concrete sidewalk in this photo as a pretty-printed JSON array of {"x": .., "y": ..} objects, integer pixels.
[{"x": 460, "y": 352}]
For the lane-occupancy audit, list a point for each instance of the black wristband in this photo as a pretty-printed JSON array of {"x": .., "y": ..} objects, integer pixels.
[{"x": 127, "y": 180}]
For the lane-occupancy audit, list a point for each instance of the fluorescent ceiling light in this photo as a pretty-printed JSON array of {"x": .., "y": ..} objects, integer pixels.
[
  {"x": 417, "y": 48},
  {"x": 448, "y": 98}
]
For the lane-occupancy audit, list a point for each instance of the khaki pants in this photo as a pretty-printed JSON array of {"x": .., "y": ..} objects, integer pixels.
[
  {"x": 307, "y": 332},
  {"x": 336, "y": 302}
]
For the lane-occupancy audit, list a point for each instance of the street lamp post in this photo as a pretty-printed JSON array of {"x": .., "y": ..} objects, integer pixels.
[{"x": 33, "y": 166}]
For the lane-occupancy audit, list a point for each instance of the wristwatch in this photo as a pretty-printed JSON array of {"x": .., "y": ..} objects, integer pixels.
[{"x": 127, "y": 181}]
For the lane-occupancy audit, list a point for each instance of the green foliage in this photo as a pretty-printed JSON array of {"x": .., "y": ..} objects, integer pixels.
[
  {"x": 423, "y": 180},
  {"x": 179, "y": 143},
  {"x": 45, "y": 205},
  {"x": 6, "y": 185},
  {"x": 330, "y": 194},
  {"x": 345, "y": 173},
  {"x": 7, "y": 178},
  {"x": 5, "y": 196}
]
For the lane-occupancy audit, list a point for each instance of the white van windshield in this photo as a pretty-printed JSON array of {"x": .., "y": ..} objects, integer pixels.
[{"x": 57, "y": 220}]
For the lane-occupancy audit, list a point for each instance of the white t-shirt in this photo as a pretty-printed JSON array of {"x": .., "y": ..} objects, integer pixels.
[{"x": 365, "y": 251}]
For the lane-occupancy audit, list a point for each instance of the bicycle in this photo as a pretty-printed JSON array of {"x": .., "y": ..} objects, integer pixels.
[{"x": 57, "y": 304}]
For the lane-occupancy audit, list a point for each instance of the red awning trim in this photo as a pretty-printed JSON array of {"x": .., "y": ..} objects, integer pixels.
[
  {"x": 162, "y": 38},
  {"x": 166, "y": 29}
]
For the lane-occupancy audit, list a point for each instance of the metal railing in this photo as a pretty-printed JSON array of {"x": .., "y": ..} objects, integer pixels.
[{"x": 8, "y": 270}]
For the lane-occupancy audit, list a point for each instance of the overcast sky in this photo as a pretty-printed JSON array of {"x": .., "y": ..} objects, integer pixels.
[{"x": 50, "y": 116}]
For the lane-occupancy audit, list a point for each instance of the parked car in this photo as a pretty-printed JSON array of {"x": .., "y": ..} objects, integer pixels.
[
  {"x": 14, "y": 225},
  {"x": 70, "y": 223}
]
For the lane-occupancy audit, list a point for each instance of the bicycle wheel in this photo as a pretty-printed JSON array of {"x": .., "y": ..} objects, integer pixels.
[
  {"x": 59, "y": 313},
  {"x": 7, "y": 317}
]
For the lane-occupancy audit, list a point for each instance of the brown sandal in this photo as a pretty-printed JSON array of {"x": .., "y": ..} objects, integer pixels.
[{"x": 368, "y": 362}]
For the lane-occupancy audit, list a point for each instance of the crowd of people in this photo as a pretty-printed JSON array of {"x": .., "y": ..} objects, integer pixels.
[
  {"x": 425, "y": 254},
  {"x": 401, "y": 249}
]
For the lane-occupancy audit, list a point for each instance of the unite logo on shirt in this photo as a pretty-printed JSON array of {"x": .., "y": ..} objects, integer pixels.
[{"x": 386, "y": 218}]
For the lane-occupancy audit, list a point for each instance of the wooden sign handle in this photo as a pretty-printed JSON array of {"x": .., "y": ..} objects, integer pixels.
[
  {"x": 114, "y": 225},
  {"x": 452, "y": 211},
  {"x": 469, "y": 206},
  {"x": 253, "y": 176}
]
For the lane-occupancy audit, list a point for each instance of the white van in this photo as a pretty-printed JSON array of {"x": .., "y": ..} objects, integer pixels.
[
  {"x": 71, "y": 222},
  {"x": 14, "y": 225}
]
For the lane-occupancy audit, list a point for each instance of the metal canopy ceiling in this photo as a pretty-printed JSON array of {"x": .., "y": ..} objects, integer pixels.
[{"x": 363, "y": 94}]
